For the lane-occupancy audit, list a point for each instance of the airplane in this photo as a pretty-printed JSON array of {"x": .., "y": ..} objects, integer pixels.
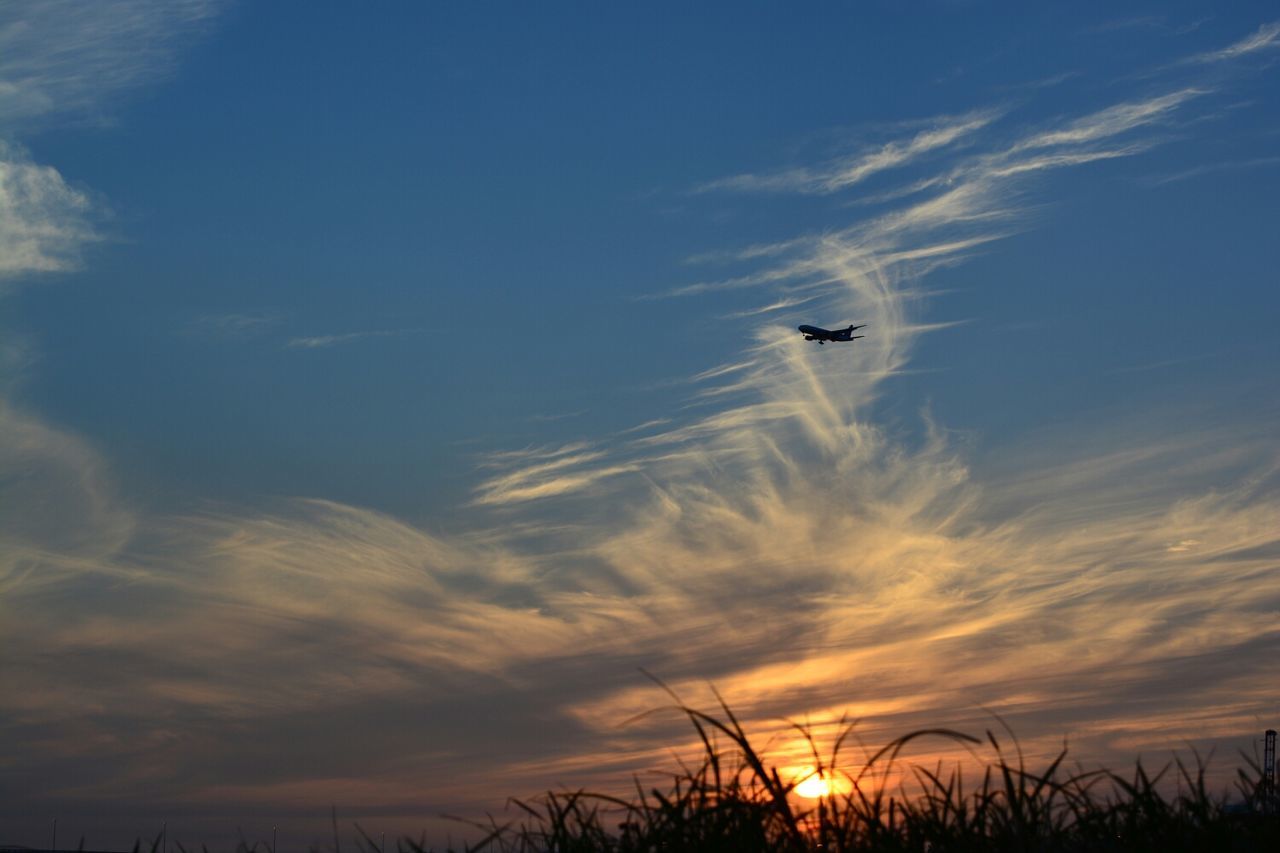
[{"x": 814, "y": 333}]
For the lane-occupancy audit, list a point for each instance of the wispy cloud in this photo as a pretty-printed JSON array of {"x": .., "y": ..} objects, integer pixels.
[
  {"x": 44, "y": 222},
  {"x": 906, "y": 589},
  {"x": 61, "y": 58},
  {"x": 324, "y": 341},
  {"x": 777, "y": 305},
  {"x": 1267, "y": 37},
  {"x": 244, "y": 326},
  {"x": 647, "y": 425},
  {"x": 1155, "y": 23},
  {"x": 1141, "y": 22},
  {"x": 1112, "y": 121},
  {"x": 58, "y": 472},
  {"x": 557, "y": 416},
  {"x": 844, "y": 173},
  {"x": 973, "y": 191},
  {"x": 1161, "y": 364},
  {"x": 534, "y": 475},
  {"x": 233, "y": 325},
  {"x": 1044, "y": 82},
  {"x": 1211, "y": 168}
]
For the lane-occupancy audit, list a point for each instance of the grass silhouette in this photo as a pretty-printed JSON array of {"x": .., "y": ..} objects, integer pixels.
[{"x": 733, "y": 801}]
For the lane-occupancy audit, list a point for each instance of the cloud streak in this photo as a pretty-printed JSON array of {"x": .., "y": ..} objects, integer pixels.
[
  {"x": 1267, "y": 37},
  {"x": 1211, "y": 168},
  {"x": 847, "y": 172},
  {"x": 233, "y": 326},
  {"x": 326, "y": 341}
]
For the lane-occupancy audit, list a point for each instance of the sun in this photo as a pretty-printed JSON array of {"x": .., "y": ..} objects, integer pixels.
[{"x": 815, "y": 785}]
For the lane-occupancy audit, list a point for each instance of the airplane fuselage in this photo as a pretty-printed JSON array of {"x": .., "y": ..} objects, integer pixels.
[{"x": 821, "y": 335}]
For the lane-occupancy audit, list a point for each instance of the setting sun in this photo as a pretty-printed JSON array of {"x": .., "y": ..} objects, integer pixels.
[{"x": 818, "y": 785}]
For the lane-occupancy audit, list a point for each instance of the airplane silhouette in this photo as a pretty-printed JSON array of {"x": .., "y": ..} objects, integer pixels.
[{"x": 815, "y": 333}]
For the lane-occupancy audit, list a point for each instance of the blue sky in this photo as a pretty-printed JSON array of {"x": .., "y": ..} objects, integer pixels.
[{"x": 362, "y": 369}]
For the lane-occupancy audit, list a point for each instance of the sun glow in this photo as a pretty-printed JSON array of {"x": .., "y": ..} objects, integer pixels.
[{"x": 814, "y": 785}]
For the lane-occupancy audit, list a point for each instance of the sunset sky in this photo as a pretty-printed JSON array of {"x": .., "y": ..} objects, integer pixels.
[{"x": 382, "y": 386}]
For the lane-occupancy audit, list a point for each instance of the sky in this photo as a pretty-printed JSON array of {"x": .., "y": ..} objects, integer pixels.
[{"x": 382, "y": 389}]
